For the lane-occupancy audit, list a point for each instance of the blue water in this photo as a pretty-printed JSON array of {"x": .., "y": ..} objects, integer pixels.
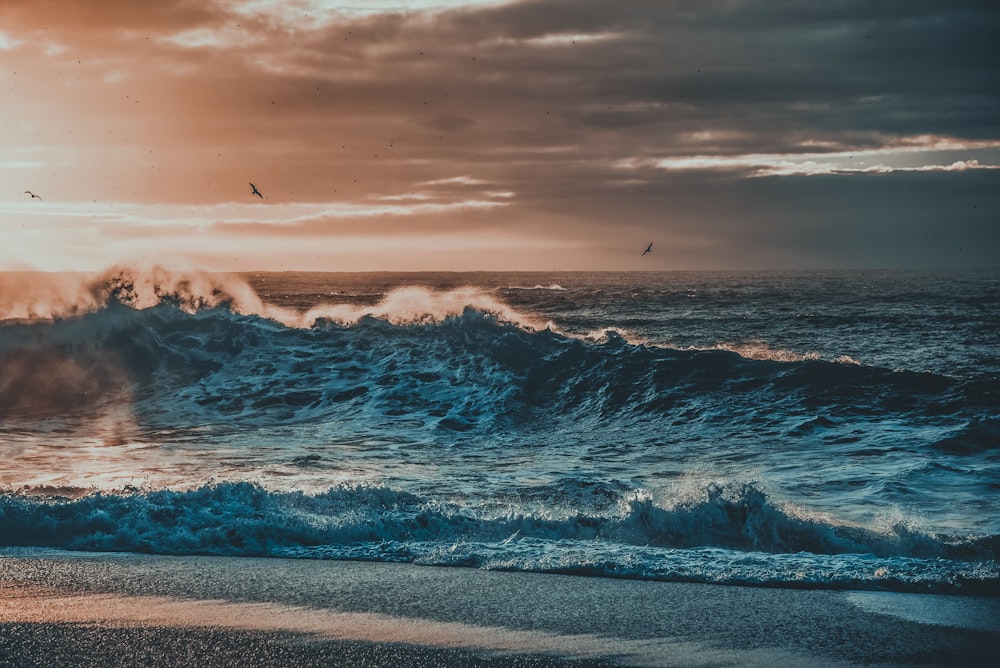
[{"x": 803, "y": 429}]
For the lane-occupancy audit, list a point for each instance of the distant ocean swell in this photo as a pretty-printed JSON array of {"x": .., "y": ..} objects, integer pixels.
[{"x": 719, "y": 533}]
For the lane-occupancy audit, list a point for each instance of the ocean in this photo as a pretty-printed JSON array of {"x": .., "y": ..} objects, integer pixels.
[{"x": 825, "y": 430}]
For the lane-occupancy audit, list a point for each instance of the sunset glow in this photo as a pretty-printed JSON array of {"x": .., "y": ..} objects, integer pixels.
[{"x": 494, "y": 135}]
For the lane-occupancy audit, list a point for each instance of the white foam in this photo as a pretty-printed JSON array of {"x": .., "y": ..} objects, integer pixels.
[
  {"x": 555, "y": 287},
  {"x": 759, "y": 350},
  {"x": 410, "y": 305}
]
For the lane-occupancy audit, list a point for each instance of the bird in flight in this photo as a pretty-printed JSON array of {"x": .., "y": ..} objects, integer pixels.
[
  {"x": 254, "y": 191},
  {"x": 649, "y": 248},
  {"x": 33, "y": 195}
]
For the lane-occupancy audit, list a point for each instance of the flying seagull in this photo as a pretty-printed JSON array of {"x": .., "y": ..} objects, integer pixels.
[
  {"x": 649, "y": 248},
  {"x": 33, "y": 195},
  {"x": 254, "y": 191}
]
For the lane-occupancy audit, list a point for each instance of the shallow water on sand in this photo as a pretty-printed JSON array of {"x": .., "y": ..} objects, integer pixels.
[{"x": 433, "y": 614}]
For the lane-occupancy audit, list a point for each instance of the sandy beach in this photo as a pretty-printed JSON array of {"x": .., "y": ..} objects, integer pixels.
[{"x": 85, "y": 609}]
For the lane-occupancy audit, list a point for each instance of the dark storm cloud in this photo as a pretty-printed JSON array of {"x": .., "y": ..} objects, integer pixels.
[
  {"x": 755, "y": 53},
  {"x": 648, "y": 73},
  {"x": 663, "y": 79}
]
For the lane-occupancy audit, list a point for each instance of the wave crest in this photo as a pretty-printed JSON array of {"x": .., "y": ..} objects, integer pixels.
[
  {"x": 33, "y": 296},
  {"x": 737, "y": 516},
  {"x": 412, "y": 305},
  {"x": 188, "y": 291},
  {"x": 379, "y": 523}
]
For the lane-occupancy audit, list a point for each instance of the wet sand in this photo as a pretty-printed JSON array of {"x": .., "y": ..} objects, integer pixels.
[{"x": 83, "y": 609}]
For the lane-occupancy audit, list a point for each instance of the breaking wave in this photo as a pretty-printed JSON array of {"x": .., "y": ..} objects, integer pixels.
[
  {"x": 33, "y": 296},
  {"x": 471, "y": 368},
  {"x": 458, "y": 360},
  {"x": 721, "y": 533}
]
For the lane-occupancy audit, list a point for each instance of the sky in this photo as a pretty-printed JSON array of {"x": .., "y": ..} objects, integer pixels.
[{"x": 525, "y": 135}]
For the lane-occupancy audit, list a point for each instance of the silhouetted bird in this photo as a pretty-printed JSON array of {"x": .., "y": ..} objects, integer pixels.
[
  {"x": 254, "y": 191},
  {"x": 649, "y": 248},
  {"x": 33, "y": 195}
]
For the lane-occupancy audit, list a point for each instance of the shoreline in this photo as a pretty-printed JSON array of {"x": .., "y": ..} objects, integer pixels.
[{"x": 283, "y": 611}]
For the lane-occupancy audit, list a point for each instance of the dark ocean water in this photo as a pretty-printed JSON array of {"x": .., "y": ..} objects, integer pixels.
[{"x": 808, "y": 429}]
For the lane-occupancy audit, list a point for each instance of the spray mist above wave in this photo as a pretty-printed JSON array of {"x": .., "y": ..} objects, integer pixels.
[
  {"x": 47, "y": 297},
  {"x": 32, "y": 296},
  {"x": 411, "y": 305}
]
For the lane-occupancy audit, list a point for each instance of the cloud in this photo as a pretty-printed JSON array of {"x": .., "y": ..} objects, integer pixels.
[
  {"x": 8, "y": 43},
  {"x": 545, "y": 119},
  {"x": 906, "y": 156},
  {"x": 109, "y": 16}
]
